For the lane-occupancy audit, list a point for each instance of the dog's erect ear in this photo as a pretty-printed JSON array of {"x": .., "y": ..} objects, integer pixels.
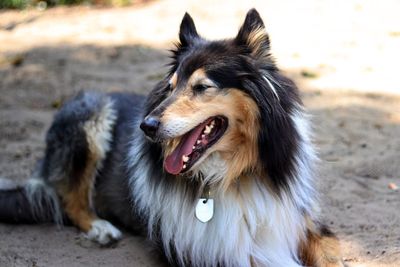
[
  {"x": 187, "y": 33},
  {"x": 253, "y": 35}
]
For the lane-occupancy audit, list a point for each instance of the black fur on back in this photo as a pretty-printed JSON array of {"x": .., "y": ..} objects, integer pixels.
[{"x": 243, "y": 63}]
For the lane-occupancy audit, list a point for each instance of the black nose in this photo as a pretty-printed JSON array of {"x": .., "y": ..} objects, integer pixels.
[{"x": 150, "y": 126}]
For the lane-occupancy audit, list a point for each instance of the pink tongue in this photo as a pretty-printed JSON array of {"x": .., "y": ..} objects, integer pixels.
[{"x": 173, "y": 163}]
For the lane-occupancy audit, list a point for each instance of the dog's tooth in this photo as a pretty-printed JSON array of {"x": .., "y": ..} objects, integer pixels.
[
  {"x": 212, "y": 123},
  {"x": 185, "y": 158},
  {"x": 184, "y": 166},
  {"x": 198, "y": 142},
  {"x": 203, "y": 135},
  {"x": 208, "y": 129},
  {"x": 211, "y": 127},
  {"x": 194, "y": 147}
]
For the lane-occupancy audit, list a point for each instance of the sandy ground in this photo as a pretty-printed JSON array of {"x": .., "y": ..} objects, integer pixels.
[{"x": 344, "y": 56}]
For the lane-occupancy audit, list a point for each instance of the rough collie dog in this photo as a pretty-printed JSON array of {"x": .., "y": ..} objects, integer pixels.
[{"x": 215, "y": 165}]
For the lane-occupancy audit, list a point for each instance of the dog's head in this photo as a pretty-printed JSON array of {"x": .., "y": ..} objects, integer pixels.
[{"x": 222, "y": 98}]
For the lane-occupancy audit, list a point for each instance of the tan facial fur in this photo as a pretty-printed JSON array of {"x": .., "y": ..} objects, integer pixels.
[
  {"x": 238, "y": 146},
  {"x": 173, "y": 81}
]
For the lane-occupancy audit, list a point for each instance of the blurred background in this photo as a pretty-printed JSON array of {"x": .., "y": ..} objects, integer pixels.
[{"x": 344, "y": 55}]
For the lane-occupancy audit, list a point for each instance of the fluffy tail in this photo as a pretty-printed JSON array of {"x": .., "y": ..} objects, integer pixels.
[{"x": 31, "y": 202}]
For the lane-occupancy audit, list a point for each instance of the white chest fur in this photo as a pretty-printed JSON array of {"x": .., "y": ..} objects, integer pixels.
[{"x": 249, "y": 227}]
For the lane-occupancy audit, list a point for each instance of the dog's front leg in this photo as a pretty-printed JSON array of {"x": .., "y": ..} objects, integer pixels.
[
  {"x": 76, "y": 197},
  {"x": 77, "y": 206}
]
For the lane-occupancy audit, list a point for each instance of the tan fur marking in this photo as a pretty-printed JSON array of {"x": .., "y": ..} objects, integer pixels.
[
  {"x": 174, "y": 80},
  {"x": 255, "y": 40},
  {"x": 197, "y": 76},
  {"x": 240, "y": 149},
  {"x": 76, "y": 199},
  {"x": 319, "y": 250}
]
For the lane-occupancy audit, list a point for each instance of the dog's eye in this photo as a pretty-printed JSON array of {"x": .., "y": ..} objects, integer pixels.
[
  {"x": 169, "y": 87},
  {"x": 200, "y": 87}
]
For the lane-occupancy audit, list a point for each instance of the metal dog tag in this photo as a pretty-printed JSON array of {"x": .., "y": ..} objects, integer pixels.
[{"x": 205, "y": 209}]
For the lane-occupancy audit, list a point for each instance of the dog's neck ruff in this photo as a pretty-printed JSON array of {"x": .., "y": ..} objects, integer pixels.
[{"x": 250, "y": 226}]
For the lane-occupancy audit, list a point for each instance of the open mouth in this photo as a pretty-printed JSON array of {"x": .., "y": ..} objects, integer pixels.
[{"x": 194, "y": 143}]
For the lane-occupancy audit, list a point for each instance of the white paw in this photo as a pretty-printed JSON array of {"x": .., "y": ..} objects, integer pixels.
[{"x": 103, "y": 232}]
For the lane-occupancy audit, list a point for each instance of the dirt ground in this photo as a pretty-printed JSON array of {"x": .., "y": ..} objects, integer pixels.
[{"x": 343, "y": 54}]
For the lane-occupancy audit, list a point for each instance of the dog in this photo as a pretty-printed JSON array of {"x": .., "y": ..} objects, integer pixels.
[{"x": 215, "y": 166}]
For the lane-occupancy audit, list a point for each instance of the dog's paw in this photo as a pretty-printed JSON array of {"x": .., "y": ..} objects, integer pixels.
[{"x": 103, "y": 232}]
